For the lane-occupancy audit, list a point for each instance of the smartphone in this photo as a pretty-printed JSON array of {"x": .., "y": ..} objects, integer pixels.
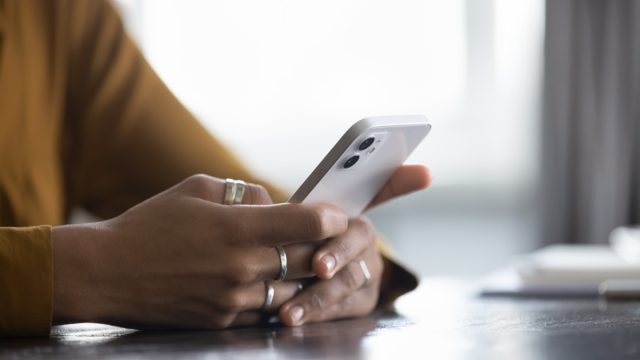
[{"x": 362, "y": 161}]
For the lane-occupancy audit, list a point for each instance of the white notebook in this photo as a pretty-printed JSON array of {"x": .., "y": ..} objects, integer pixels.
[{"x": 573, "y": 270}]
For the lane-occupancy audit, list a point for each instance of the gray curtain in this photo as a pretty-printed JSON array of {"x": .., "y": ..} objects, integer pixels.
[{"x": 591, "y": 119}]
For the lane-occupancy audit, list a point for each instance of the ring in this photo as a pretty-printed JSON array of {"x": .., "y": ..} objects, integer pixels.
[
  {"x": 283, "y": 263},
  {"x": 233, "y": 191},
  {"x": 241, "y": 185},
  {"x": 269, "y": 295},
  {"x": 230, "y": 188},
  {"x": 365, "y": 271}
]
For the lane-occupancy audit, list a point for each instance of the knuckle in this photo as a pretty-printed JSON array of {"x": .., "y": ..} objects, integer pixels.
[
  {"x": 242, "y": 271},
  {"x": 316, "y": 302},
  {"x": 199, "y": 184},
  {"x": 232, "y": 301},
  {"x": 317, "y": 222},
  {"x": 244, "y": 275},
  {"x": 351, "y": 278},
  {"x": 197, "y": 181}
]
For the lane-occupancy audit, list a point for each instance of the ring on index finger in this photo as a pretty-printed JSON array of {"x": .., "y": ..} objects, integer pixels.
[
  {"x": 233, "y": 191},
  {"x": 241, "y": 186}
]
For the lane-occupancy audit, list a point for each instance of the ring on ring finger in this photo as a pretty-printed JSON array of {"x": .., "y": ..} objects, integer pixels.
[
  {"x": 365, "y": 272},
  {"x": 269, "y": 295}
]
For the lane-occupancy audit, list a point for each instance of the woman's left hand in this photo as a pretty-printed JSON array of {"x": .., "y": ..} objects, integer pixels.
[{"x": 349, "y": 266}]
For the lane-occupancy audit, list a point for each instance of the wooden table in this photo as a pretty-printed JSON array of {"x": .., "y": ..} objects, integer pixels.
[{"x": 441, "y": 320}]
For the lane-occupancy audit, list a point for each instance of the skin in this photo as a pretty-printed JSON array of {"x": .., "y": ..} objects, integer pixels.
[{"x": 182, "y": 259}]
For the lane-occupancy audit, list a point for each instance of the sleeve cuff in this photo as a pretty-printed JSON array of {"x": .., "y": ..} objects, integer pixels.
[
  {"x": 396, "y": 279},
  {"x": 26, "y": 281}
]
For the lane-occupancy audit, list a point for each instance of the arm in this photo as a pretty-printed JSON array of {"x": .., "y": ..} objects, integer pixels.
[{"x": 135, "y": 139}]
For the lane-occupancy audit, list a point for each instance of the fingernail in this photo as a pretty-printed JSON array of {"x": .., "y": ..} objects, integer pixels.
[
  {"x": 329, "y": 262},
  {"x": 296, "y": 313}
]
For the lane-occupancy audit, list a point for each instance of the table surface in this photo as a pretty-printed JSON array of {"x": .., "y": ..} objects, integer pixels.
[{"x": 440, "y": 320}]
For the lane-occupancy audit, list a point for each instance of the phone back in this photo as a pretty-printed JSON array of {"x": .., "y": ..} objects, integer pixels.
[{"x": 362, "y": 161}]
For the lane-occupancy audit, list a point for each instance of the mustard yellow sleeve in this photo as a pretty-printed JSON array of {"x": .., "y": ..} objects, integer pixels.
[
  {"x": 26, "y": 281},
  {"x": 396, "y": 279},
  {"x": 132, "y": 137}
]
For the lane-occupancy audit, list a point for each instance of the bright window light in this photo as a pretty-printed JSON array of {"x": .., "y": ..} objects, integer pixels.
[{"x": 280, "y": 81}]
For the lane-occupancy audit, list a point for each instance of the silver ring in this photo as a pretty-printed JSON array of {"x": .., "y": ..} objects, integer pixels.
[
  {"x": 240, "y": 188},
  {"x": 365, "y": 272},
  {"x": 283, "y": 263},
  {"x": 230, "y": 188},
  {"x": 270, "y": 292},
  {"x": 234, "y": 191}
]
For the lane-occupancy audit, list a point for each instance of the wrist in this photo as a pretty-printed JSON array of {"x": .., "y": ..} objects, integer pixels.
[{"x": 74, "y": 295}]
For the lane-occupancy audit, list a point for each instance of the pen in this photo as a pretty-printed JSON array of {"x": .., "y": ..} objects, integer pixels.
[{"x": 620, "y": 289}]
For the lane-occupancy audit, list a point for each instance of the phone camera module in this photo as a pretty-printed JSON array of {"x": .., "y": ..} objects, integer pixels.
[
  {"x": 365, "y": 144},
  {"x": 351, "y": 161}
]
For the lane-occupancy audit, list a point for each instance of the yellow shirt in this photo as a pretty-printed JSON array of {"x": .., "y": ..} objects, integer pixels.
[{"x": 85, "y": 122}]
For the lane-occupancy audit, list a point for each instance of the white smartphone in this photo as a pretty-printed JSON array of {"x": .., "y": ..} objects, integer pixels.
[{"x": 362, "y": 161}]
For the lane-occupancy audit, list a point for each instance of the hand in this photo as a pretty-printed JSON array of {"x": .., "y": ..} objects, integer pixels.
[
  {"x": 343, "y": 290},
  {"x": 180, "y": 259}
]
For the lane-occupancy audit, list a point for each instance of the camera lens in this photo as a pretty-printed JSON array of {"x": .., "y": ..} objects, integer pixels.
[
  {"x": 365, "y": 144},
  {"x": 351, "y": 161}
]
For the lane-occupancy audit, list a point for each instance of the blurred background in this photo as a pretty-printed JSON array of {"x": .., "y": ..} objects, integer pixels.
[{"x": 280, "y": 81}]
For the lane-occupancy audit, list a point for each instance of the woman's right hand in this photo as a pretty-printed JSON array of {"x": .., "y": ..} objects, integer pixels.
[{"x": 181, "y": 259}]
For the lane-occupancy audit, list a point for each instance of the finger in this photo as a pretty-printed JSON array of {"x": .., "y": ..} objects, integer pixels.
[
  {"x": 249, "y": 318},
  {"x": 319, "y": 297},
  {"x": 212, "y": 189},
  {"x": 253, "y": 296},
  {"x": 203, "y": 187},
  {"x": 255, "y": 264},
  {"x": 360, "y": 303},
  {"x": 298, "y": 261},
  {"x": 256, "y": 317},
  {"x": 406, "y": 179},
  {"x": 282, "y": 224},
  {"x": 283, "y": 291},
  {"x": 256, "y": 195},
  {"x": 341, "y": 250}
]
